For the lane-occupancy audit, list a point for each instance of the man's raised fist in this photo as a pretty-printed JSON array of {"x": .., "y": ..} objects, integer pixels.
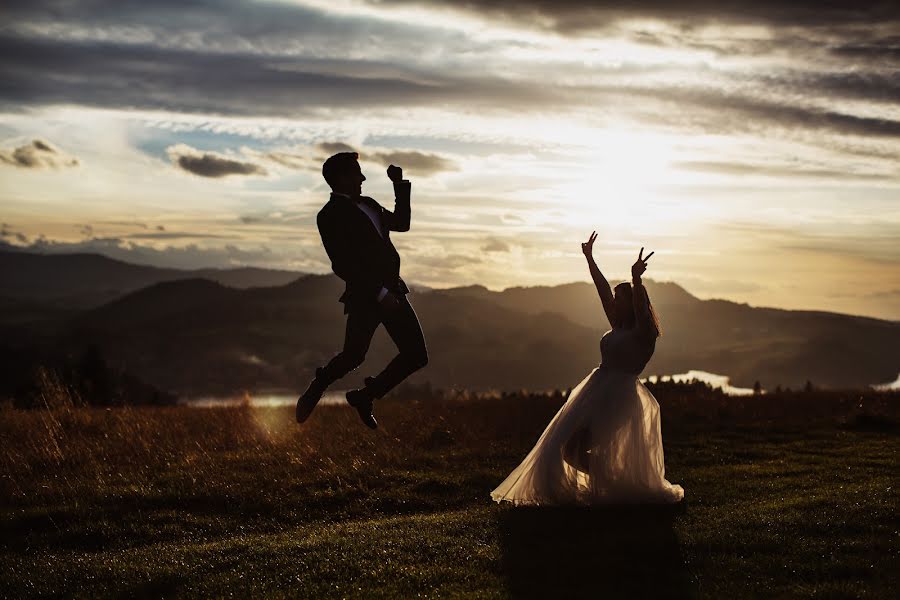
[{"x": 395, "y": 173}]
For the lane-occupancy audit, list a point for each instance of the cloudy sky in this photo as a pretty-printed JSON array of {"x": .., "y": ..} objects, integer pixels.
[{"x": 752, "y": 144}]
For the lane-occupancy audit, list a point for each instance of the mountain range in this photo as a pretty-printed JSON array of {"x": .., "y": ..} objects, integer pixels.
[
  {"x": 219, "y": 332},
  {"x": 89, "y": 280}
]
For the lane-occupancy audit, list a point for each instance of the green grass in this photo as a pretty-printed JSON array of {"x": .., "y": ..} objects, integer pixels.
[{"x": 242, "y": 501}]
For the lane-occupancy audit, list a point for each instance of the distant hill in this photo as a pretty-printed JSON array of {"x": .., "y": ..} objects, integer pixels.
[
  {"x": 197, "y": 336},
  {"x": 746, "y": 343},
  {"x": 578, "y": 301},
  {"x": 89, "y": 280}
]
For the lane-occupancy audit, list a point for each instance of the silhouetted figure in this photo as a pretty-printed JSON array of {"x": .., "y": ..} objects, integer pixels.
[
  {"x": 605, "y": 444},
  {"x": 355, "y": 231}
]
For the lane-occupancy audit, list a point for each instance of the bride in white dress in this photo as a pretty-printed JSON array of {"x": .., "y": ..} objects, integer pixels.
[{"x": 604, "y": 445}]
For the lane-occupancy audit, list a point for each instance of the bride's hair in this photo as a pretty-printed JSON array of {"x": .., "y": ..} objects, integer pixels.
[
  {"x": 624, "y": 302},
  {"x": 655, "y": 317}
]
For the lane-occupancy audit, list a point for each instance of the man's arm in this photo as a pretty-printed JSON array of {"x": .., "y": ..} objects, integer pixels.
[{"x": 400, "y": 218}]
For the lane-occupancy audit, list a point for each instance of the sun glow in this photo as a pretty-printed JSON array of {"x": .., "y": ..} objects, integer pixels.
[{"x": 613, "y": 180}]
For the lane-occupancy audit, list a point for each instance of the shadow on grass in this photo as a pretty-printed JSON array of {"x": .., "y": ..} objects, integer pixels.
[
  {"x": 873, "y": 424},
  {"x": 608, "y": 552}
]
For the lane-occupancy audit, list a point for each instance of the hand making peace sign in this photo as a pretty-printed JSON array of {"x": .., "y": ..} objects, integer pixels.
[
  {"x": 640, "y": 265},
  {"x": 588, "y": 246}
]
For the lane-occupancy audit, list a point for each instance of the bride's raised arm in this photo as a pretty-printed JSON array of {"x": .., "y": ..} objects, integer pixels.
[
  {"x": 645, "y": 321},
  {"x": 603, "y": 289}
]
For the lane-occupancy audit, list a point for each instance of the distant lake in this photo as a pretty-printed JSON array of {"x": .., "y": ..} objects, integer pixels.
[
  {"x": 721, "y": 382},
  {"x": 336, "y": 397},
  {"x": 331, "y": 397},
  {"x": 886, "y": 387}
]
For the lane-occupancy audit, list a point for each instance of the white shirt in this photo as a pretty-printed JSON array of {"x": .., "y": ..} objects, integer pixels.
[
  {"x": 373, "y": 216},
  {"x": 376, "y": 222}
]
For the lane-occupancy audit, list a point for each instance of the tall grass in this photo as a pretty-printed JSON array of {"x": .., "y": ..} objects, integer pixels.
[
  {"x": 112, "y": 496},
  {"x": 64, "y": 449}
]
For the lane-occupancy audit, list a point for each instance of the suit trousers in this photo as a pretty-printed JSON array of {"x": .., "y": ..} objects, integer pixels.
[{"x": 401, "y": 324}]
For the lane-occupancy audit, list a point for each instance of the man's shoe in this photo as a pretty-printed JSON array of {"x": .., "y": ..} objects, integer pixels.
[
  {"x": 307, "y": 402},
  {"x": 362, "y": 402}
]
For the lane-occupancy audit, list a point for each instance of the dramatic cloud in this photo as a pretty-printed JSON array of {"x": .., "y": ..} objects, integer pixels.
[
  {"x": 7, "y": 232},
  {"x": 574, "y": 16},
  {"x": 119, "y": 75},
  {"x": 279, "y": 60},
  {"x": 414, "y": 163},
  {"x": 660, "y": 123},
  {"x": 329, "y": 148},
  {"x": 290, "y": 160},
  {"x": 188, "y": 256},
  {"x": 417, "y": 163},
  {"x": 178, "y": 235},
  {"x": 210, "y": 164},
  {"x": 495, "y": 245},
  {"x": 738, "y": 169},
  {"x": 37, "y": 155},
  {"x": 873, "y": 242},
  {"x": 446, "y": 262}
]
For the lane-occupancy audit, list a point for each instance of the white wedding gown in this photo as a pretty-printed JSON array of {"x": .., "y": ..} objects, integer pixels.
[{"x": 604, "y": 445}]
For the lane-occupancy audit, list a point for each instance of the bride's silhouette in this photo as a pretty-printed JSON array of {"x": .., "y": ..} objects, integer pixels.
[{"x": 604, "y": 445}]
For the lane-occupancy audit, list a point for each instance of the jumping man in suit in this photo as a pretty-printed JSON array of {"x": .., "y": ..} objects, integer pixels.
[{"x": 355, "y": 231}]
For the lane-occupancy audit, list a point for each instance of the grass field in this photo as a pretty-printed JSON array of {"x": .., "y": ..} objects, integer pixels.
[{"x": 785, "y": 496}]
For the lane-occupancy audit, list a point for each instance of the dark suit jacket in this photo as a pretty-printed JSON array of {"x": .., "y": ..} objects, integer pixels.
[{"x": 365, "y": 260}]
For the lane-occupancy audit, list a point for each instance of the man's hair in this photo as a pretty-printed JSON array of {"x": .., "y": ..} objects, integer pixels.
[{"x": 338, "y": 165}]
